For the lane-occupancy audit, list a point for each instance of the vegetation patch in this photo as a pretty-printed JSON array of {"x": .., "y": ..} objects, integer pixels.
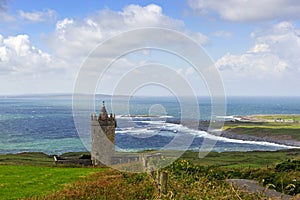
[
  {"x": 188, "y": 181},
  {"x": 189, "y": 177},
  {"x": 25, "y": 181},
  {"x": 291, "y": 117},
  {"x": 275, "y": 130},
  {"x": 27, "y": 158},
  {"x": 242, "y": 159},
  {"x": 109, "y": 184}
]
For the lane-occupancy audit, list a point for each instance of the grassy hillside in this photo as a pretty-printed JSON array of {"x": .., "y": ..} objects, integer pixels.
[{"x": 275, "y": 130}]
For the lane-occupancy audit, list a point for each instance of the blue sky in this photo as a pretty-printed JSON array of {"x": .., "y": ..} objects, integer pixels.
[{"x": 255, "y": 45}]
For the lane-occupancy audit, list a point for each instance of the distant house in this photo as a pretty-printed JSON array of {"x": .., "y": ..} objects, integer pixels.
[{"x": 278, "y": 120}]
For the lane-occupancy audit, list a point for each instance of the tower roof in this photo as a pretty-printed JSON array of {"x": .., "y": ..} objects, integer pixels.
[{"x": 103, "y": 112}]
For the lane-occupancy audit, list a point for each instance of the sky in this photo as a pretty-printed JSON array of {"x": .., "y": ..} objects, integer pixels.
[{"x": 254, "y": 45}]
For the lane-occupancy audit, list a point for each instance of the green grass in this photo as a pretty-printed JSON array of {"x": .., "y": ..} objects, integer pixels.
[
  {"x": 43, "y": 180},
  {"x": 189, "y": 181},
  {"x": 296, "y": 118},
  {"x": 108, "y": 184},
  {"x": 265, "y": 129},
  {"x": 242, "y": 159},
  {"x": 27, "y": 181},
  {"x": 28, "y": 158}
]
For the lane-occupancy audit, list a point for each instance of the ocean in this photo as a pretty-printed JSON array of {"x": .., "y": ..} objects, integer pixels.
[{"x": 45, "y": 123}]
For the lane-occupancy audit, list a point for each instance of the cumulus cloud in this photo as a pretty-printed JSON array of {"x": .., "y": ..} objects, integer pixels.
[
  {"x": 257, "y": 64},
  {"x": 248, "y": 10},
  {"x": 268, "y": 64},
  {"x": 38, "y": 16},
  {"x": 25, "y": 68},
  {"x": 276, "y": 51},
  {"x": 73, "y": 39},
  {"x": 18, "y": 55},
  {"x": 76, "y": 38}
]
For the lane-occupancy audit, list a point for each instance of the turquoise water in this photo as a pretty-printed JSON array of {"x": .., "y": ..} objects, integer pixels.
[{"x": 46, "y": 124}]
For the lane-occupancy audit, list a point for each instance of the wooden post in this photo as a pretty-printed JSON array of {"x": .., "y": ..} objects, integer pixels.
[
  {"x": 158, "y": 182},
  {"x": 151, "y": 170},
  {"x": 157, "y": 176},
  {"x": 164, "y": 182},
  {"x": 145, "y": 161}
]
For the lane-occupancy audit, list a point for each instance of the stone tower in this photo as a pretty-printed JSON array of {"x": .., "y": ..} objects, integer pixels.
[{"x": 103, "y": 137}]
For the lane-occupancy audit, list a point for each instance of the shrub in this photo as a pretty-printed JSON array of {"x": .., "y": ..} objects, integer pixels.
[{"x": 288, "y": 166}]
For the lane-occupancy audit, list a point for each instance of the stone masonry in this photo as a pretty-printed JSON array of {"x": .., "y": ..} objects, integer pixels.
[{"x": 103, "y": 137}]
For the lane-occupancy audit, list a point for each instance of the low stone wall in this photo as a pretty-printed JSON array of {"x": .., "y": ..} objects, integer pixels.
[{"x": 85, "y": 162}]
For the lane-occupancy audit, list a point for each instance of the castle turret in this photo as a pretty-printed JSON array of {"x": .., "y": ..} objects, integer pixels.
[
  {"x": 103, "y": 112},
  {"x": 103, "y": 137}
]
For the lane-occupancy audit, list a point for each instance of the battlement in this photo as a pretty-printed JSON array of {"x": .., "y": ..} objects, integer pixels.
[
  {"x": 94, "y": 117},
  {"x": 107, "y": 121}
]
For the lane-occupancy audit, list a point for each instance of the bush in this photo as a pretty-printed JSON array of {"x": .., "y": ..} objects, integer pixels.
[{"x": 288, "y": 166}]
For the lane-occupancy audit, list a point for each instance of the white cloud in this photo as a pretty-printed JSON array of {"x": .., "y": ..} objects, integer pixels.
[
  {"x": 18, "y": 55},
  {"x": 76, "y": 38},
  {"x": 248, "y": 10},
  {"x": 72, "y": 40},
  {"x": 276, "y": 50},
  {"x": 256, "y": 64},
  {"x": 38, "y": 16},
  {"x": 25, "y": 68},
  {"x": 274, "y": 59},
  {"x": 283, "y": 40}
]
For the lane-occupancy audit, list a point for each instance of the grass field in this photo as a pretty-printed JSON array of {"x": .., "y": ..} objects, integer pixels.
[
  {"x": 30, "y": 174},
  {"x": 108, "y": 184},
  {"x": 25, "y": 181},
  {"x": 242, "y": 159},
  {"x": 34, "y": 174},
  {"x": 275, "y": 130},
  {"x": 32, "y": 158},
  {"x": 295, "y": 118}
]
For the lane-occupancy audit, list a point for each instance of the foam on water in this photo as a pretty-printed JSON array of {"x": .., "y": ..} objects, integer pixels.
[{"x": 152, "y": 127}]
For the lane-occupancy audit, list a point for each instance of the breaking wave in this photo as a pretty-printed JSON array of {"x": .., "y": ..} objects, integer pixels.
[{"x": 152, "y": 130}]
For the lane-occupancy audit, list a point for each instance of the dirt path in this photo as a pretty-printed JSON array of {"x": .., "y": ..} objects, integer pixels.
[{"x": 253, "y": 187}]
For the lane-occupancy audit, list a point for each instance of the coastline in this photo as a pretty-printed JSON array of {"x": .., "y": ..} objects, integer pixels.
[
  {"x": 276, "y": 128},
  {"x": 232, "y": 135},
  {"x": 281, "y": 139}
]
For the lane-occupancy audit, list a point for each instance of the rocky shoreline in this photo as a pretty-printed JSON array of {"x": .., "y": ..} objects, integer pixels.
[{"x": 232, "y": 135}]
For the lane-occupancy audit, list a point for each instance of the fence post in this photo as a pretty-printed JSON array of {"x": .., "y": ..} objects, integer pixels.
[
  {"x": 164, "y": 182},
  {"x": 151, "y": 171},
  {"x": 158, "y": 182}
]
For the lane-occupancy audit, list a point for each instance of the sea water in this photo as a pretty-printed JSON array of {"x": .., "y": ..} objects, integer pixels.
[{"x": 45, "y": 124}]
